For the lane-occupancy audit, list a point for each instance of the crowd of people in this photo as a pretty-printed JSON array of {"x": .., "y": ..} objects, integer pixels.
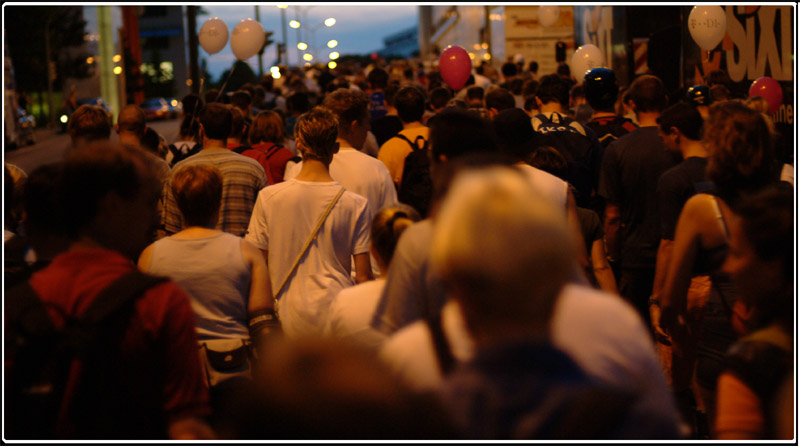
[{"x": 369, "y": 254}]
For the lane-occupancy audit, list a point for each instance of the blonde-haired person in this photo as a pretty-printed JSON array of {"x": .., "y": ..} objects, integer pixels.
[
  {"x": 225, "y": 276},
  {"x": 310, "y": 264},
  {"x": 352, "y": 309}
]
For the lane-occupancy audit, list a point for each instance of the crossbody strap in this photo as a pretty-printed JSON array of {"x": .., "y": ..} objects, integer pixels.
[{"x": 311, "y": 238}]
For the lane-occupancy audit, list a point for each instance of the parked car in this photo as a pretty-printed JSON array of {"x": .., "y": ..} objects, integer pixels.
[{"x": 156, "y": 108}]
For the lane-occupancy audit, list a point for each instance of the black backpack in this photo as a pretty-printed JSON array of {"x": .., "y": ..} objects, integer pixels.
[
  {"x": 579, "y": 149},
  {"x": 416, "y": 185},
  {"x": 39, "y": 358},
  {"x": 178, "y": 155}
]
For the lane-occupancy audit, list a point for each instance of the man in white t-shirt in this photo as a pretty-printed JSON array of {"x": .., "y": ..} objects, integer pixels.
[{"x": 286, "y": 214}]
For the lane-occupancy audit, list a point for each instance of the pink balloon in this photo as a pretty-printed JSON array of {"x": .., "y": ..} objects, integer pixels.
[
  {"x": 769, "y": 89},
  {"x": 455, "y": 66}
]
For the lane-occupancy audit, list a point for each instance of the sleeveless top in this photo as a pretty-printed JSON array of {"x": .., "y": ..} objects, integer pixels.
[{"x": 216, "y": 277}]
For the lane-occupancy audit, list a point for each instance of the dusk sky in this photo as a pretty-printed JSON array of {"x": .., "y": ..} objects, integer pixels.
[{"x": 359, "y": 29}]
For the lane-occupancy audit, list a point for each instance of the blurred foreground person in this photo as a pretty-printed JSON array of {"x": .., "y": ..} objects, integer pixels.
[
  {"x": 137, "y": 374},
  {"x": 317, "y": 389},
  {"x": 761, "y": 264},
  {"x": 518, "y": 385}
]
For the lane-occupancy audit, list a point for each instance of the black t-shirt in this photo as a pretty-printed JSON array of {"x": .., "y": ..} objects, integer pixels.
[
  {"x": 675, "y": 187},
  {"x": 591, "y": 229},
  {"x": 385, "y": 128},
  {"x": 610, "y": 128},
  {"x": 631, "y": 168}
]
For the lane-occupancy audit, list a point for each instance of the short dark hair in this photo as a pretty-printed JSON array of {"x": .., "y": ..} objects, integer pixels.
[
  {"x": 191, "y": 102},
  {"x": 456, "y": 132},
  {"x": 217, "y": 121},
  {"x": 685, "y": 118},
  {"x": 410, "y": 104},
  {"x": 89, "y": 123},
  {"x": 132, "y": 119},
  {"x": 475, "y": 93},
  {"x": 298, "y": 102},
  {"x": 563, "y": 70},
  {"x": 533, "y": 67},
  {"x": 348, "y": 105},
  {"x": 39, "y": 201},
  {"x": 212, "y": 96},
  {"x": 237, "y": 123},
  {"x": 577, "y": 91},
  {"x": 648, "y": 94},
  {"x": 197, "y": 189},
  {"x": 190, "y": 127},
  {"x": 529, "y": 87},
  {"x": 499, "y": 99},
  {"x": 390, "y": 92},
  {"x": 378, "y": 78},
  {"x": 241, "y": 100},
  {"x": 509, "y": 69},
  {"x": 550, "y": 160},
  {"x": 553, "y": 88},
  {"x": 440, "y": 96}
]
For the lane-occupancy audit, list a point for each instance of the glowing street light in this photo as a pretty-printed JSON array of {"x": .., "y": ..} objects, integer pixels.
[
  {"x": 333, "y": 55},
  {"x": 116, "y": 58},
  {"x": 276, "y": 74},
  {"x": 117, "y": 70},
  {"x": 90, "y": 60},
  {"x": 302, "y": 46},
  {"x": 283, "y": 6},
  {"x": 331, "y": 65},
  {"x": 307, "y": 57},
  {"x": 332, "y": 43},
  {"x": 330, "y": 21},
  {"x": 274, "y": 68},
  {"x": 294, "y": 24}
]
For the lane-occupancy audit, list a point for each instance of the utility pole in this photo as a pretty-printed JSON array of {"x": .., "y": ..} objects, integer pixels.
[
  {"x": 194, "y": 70},
  {"x": 261, "y": 54},
  {"x": 47, "y": 56},
  {"x": 284, "y": 56}
]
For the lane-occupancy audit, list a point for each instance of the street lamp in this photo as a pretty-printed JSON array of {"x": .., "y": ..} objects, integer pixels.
[
  {"x": 334, "y": 55},
  {"x": 302, "y": 46},
  {"x": 294, "y": 24},
  {"x": 332, "y": 43}
]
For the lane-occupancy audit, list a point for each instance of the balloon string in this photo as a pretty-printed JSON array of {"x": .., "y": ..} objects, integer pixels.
[{"x": 233, "y": 68}]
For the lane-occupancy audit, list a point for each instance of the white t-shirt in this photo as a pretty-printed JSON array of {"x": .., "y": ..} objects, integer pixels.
[
  {"x": 283, "y": 218},
  {"x": 549, "y": 185},
  {"x": 351, "y": 312},
  {"x": 602, "y": 333}
]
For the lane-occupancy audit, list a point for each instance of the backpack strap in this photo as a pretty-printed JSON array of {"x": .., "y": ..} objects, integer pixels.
[
  {"x": 414, "y": 145},
  {"x": 272, "y": 150},
  {"x": 306, "y": 245},
  {"x": 241, "y": 149},
  {"x": 440, "y": 344}
]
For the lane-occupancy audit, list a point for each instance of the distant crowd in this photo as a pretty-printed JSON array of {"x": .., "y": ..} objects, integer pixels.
[{"x": 365, "y": 253}]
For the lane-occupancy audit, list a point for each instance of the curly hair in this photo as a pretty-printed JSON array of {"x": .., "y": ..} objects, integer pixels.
[
  {"x": 742, "y": 158},
  {"x": 316, "y": 132}
]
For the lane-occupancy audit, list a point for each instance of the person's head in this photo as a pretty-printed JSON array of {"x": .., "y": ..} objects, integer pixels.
[
  {"x": 267, "y": 82},
  {"x": 212, "y": 96},
  {"x": 267, "y": 126},
  {"x": 410, "y": 104},
  {"x": 719, "y": 93},
  {"x": 87, "y": 124},
  {"x": 109, "y": 194},
  {"x": 475, "y": 95},
  {"x": 390, "y": 92},
  {"x": 564, "y": 71},
  {"x": 197, "y": 189},
  {"x": 237, "y": 124},
  {"x": 761, "y": 258},
  {"x": 553, "y": 90},
  {"x": 529, "y": 88},
  {"x": 456, "y": 133},
  {"x": 509, "y": 70},
  {"x": 679, "y": 121},
  {"x": 515, "y": 135},
  {"x": 550, "y": 160},
  {"x": 298, "y": 103},
  {"x": 315, "y": 134},
  {"x": 216, "y": 121},
  {"x": 440, "y": 97},
  {"x": 132, "y": 120},
  {"x": 387, "y": 225},
  {"x": 648, "y": 94},
  {"x": 577, "y": 95},
  {"x": 601, "y": 89},
  {"x": 43, "y": 222},
  {"x": 718, "y": 77},
  {"x": 190, "y": 129},
  {"x": 741, "y": 154},
  {"x": 504, "y": 254},
  {"x": 154, "y": 143},
  {"x": 191, "y": 103},
  {"x": 242, "y": 100},
  {"x": 497, "y": 100},
  {"x": 377, "y": 79},
  {"x": 351, "y": 107},
  {"x": 533, "y": 67}
]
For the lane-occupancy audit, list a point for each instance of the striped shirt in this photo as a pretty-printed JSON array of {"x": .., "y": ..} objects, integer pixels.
[{"x": 242, "y": 179}]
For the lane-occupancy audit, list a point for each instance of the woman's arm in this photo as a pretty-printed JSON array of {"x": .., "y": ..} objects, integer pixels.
[
  {"x": 260, "y": 286},
  {"x": 601, "y": 268},
  {"x": 363, "y": 267},
  {"x": 144, "y": 259}
]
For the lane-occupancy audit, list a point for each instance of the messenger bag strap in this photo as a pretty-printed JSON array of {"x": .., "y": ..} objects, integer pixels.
[{"x": 311, "y": 238}]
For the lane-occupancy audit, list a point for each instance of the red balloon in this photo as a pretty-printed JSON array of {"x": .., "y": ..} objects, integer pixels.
[
  {"x": 769, "y": 89},
  {"x": 455, "y": 66}
]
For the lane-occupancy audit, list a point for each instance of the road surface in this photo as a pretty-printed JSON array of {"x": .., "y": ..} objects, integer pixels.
[{"x": 50, "y": 147}]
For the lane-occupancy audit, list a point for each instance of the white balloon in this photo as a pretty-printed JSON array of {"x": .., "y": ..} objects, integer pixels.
[
  {"x": 707, "y": 25},
  {"x": 548, "y": 15},
  {"x": 585, "y": 58},
  {"x": 213, "y": 35},
  {"x": 247, "y": 39}
]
